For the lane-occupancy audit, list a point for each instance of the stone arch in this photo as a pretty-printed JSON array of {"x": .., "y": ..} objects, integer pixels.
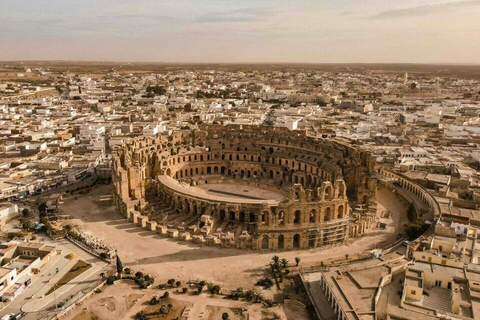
[
  {"x": 296, "y": 241},
  {"x": 328, "y": 192},
  {"x": 313, "y": 216},
  {"x": 328, "y": 214},
  {"x": 297, "y": 216},
  {"x": 281, "y": 217},
  {"x": 265, "y": 242},
  {"x": 340, "y": 212},
  {"x": 281, "y": 241}
]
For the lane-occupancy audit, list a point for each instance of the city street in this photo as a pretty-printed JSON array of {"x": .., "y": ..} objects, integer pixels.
[{"x": 34, "y": 300}]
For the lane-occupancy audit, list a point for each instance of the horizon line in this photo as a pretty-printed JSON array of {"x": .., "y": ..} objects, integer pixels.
[{"x": 246, "y": 63}]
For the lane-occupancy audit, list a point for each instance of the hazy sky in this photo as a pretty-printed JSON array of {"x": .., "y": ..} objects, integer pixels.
[{"x": 322, "y": 31}]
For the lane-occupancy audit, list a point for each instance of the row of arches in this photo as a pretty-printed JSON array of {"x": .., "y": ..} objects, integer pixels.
[{"x": 281, "y": 244}]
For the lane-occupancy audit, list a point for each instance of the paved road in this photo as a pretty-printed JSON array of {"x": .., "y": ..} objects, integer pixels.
[{"x": 39, "y": 306}]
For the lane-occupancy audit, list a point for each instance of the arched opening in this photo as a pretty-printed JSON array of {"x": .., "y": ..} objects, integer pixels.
[
  {"x": 328, "y": 192},
  {"x": 209, "y": 170},
  {"x": 252, "y": 217},
  {"x": 242, "y": 217},
  {"x": 340, "y": 212},
  {"x": 222, "y": 170},
  {"x": 232, "y": 215},
  {"x": 281, "y": 242},
  {"x": 265, "y": 242},
  {"x": 312, "y": 240},
  {"x": 281, "y": 216},
  {"x": 328, "y": 214},
  {"x": 297, "y": 217},
  {"x": 365, "y": 199},
  {"x": 222, "y": 215},
  {"x": 313, "y": 214},
  {"x": 215, "y": 170},
  {"x": 296, "y": 241}
]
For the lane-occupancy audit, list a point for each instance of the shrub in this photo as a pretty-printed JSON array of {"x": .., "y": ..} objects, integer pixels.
[
  {"x": 139, "y": 274},
  {"x": 111, "y": 280},
  {"x": 166, "y": 295},
  {"x": 265, "y": 282},
  {"x": 171, "y": 282}
]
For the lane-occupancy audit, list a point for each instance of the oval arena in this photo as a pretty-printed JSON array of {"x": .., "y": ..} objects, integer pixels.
[{"x": 246, "y": 187}]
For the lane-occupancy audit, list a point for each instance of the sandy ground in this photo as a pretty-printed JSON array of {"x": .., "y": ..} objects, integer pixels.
[
  {"x": 231, "y": 268},
  {"x": 123, "y": 300}
]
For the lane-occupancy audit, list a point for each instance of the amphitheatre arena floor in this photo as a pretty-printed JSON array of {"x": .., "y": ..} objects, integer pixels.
[
  {"x": 235, "y": 192},
  {"x": 231, "y": 268}
]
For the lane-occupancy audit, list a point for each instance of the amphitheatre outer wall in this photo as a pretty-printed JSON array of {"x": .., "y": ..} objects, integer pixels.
[{"x": 320, "y": 180}]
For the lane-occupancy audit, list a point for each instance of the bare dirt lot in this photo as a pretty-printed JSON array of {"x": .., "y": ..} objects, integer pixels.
[{"x": 231, "y": 268}]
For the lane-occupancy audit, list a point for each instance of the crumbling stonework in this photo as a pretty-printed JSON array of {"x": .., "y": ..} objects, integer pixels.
[{"x": 155, "y": 178}]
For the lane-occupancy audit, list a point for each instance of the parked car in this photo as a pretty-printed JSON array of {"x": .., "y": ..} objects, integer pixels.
[{"x": 7, "y": 316}]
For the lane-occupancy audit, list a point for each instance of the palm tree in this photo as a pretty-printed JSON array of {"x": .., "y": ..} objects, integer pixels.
[
  {"x": 297, "y": 261},
  {"x": 275, "y": 260},
  {"x": 67, "y": 228},
  {"x": 346, "y": 256},
  {"x": 284, "y": 262}
]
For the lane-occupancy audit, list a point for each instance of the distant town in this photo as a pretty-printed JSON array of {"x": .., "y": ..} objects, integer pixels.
[{"x": 143, "y": 191}]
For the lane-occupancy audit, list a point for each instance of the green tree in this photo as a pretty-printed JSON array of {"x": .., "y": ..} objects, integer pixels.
[
  {"x": 276, "y": 260},
  {"x": 284, "y": 262},
  {"x": 25, "y": 212},
  {"x": 225, "y": 316},
  {"x": 119, "y": 265},
  {"x": 26, "y": 225},
  {"x": 297, "y": 261},
  {"x": 42, "y": 207},
  {"x": 67, "y": 228}
]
